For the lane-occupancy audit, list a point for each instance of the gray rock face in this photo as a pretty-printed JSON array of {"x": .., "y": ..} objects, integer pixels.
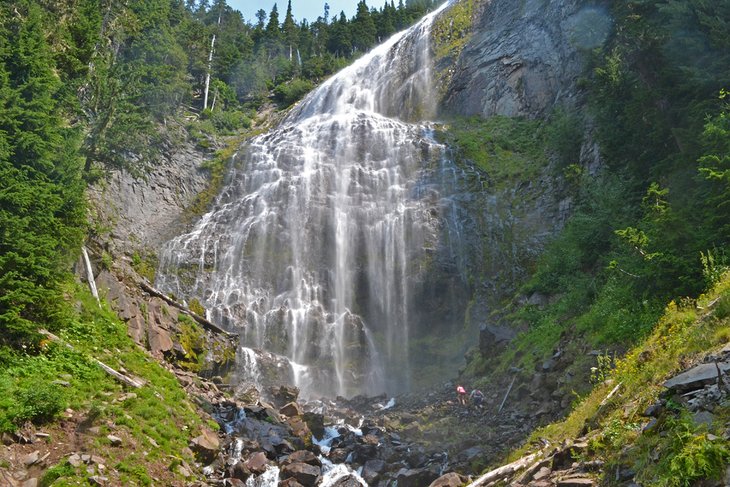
[
  {"x": 148, "y": 212},
  {"x": 524, "y": 57}
]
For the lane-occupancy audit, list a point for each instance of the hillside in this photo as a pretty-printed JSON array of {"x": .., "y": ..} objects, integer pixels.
[{"x": 524, "y": 198}]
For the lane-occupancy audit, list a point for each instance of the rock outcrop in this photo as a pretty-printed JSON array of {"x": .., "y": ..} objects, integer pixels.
[{"x": 524, "y": 58}]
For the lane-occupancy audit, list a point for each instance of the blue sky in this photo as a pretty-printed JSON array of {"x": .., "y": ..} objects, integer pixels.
[{"x": 302, "y": 9}]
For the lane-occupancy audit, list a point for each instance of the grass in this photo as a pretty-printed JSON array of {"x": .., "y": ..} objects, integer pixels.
[
  {"x": 157, "y": 420},
  {"x": 677, "y": 451}
]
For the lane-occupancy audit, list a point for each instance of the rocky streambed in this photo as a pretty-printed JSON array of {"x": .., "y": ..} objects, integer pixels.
[{"x": 275, "y": 438}]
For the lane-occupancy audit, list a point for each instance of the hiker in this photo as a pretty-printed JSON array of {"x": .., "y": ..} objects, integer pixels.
[
  {"x": 477, "y": 398},
  {"x": 461, "y": 395}
]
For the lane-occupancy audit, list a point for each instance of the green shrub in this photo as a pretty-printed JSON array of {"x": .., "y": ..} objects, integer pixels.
[
  {"x": 291, "y": 91},
  {"x": 227, "y": 122},
  {"x": 38, "y": 401}
]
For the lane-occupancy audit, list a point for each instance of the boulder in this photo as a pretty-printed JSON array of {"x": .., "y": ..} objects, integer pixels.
[
  {"x": 117, "y": 441},
  {"x": 291, "y": 409},
  {"x": 696, "y": 377},
  {"x": 256, "y": 463},
  {"x": 305, "y": 474},
  {"x": 284, "y": 395},
  {"x": 302, "y": 456},
  {"x": 315, "y": 422},
  {"x": 239, "y": 471},
  {"x": 347, "y": 481},
  {"x": 372, "y": 469},
  {"x": 290, "y": 482},
  {"x": 205, "y": 446},
  {"x": 415, "y": 477},
  {"x": 451, "y": 479}
]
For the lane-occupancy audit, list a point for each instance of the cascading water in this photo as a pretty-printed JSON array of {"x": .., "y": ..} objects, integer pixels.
[{"x": 312, "y": 248}]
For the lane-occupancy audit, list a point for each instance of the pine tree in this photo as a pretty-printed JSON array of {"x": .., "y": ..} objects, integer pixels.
[{"x": 41, "y": 196}]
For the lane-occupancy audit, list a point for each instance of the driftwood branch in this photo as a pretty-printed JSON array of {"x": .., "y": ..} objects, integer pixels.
[
  {"x": 203, "y": 322},
  {"x": 504, "y": 471},
  {"x": 133, "y": 382}
]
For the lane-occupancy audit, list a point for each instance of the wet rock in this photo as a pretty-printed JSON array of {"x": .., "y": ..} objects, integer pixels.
[
  {"x": 315, "y": 422},
  {"x": 248, "y": 395},
  {"x": 305, "y": 474},
  {"x": 291, "y": 409},
  {"x": 493, "y": 338},
  {"x": 338, "y": 455},
  {"x": 205, "y": 446},
  {"x": 284, "y": 395},
  {"x": 347, "y": 481},
  {"x": 417, "y": 477},
  {"x": 451, "y": 479},
  {"x": 239, "y": 471},
  {"x": 372, "y": 469},
  {"x": 256, "y": 463},
  {"x": 303, "y": 456}
]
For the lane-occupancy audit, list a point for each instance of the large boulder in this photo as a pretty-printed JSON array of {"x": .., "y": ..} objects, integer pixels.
[
  {"x": 305, "y": 474},
  {"x": 256, "y": 463},
  {"x": 415, "y": 477},
  {"x": 205, "y": 446},
  {"x": 302, "y": 456},
  {"x": 451, "y": 479}
]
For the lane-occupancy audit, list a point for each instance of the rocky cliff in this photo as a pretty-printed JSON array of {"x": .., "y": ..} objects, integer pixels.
[{"x": 524, "y": 58}]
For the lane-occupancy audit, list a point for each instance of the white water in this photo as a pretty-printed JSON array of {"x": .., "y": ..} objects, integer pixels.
[
  {"x": 312, "y": 248},
  {"x": 332, "y": 473},
  {"x": 270, "y": 478}
]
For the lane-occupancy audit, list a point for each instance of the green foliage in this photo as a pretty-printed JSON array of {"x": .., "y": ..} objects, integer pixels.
[
  {"x": 41, "y": 200},
  {"x": 508, "y": 149},
  {"x": 196, "y": 307},
  {"x": 145, "y": 265},
  {"x": 291, "y": 91},
  {"x": 59, "y": 471}
]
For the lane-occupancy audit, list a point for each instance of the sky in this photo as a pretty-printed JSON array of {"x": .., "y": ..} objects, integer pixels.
[{"x": 301, "y": 9}]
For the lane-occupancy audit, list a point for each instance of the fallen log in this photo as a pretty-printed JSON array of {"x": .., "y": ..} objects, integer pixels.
[
  {"x": 504, "y": 471},
  {"x": 202, "y": 321},
  {"x": 136, "y": 383}
]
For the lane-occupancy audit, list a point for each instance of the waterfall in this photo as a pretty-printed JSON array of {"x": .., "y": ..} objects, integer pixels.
[{"x": 312, "y": 249}]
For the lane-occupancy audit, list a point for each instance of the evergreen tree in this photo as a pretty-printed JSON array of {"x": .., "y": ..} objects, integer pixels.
[
  {"x": 363, "y": 28},
  {"x": 41, "y": 196}
]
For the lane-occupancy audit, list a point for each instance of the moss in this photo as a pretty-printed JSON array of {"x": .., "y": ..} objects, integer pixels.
[
  {"x": 191, "y": 338},
  {"x": 507, "y": 149},
  {"x": 145, "y": 264},
  {"x": 196, "y": 307},
  {"x": 450, "y": 33}
]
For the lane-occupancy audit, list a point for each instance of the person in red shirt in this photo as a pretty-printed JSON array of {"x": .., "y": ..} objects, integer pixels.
[{"x": 461, "y": 395}]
